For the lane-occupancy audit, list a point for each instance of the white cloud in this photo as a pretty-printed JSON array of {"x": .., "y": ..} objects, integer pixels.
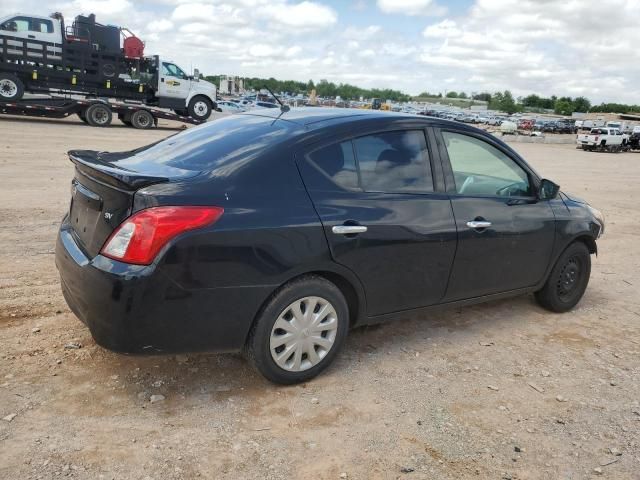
[
  {"x": 412, "y": 7},
  {"x": 305, "y": 15},
  {"x": 161, "y": 25},
  {"x": 528, "y": 46}
]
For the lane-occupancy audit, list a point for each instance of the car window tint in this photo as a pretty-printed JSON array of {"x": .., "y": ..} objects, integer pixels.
[
  {"x": 337, "y": 162},
  {"x": 481, "y": 169},
  {"x": 394, "y": 162}
]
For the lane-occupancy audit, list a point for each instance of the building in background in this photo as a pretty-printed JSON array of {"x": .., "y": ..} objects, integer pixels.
[{"x": 231, "y": 85}]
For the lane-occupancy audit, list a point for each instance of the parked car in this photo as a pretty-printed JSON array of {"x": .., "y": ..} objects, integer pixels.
[
  {"x": 525, "y": 124},
  {"x": 230, "y": 107},
  {"x": 603, "y": 138},
  {"x": 549, "y": 127},
  {"x": 273, "y": 233}
]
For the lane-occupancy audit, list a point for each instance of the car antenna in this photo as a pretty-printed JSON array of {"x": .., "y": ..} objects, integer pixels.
[{"x": 283, "y": 107}]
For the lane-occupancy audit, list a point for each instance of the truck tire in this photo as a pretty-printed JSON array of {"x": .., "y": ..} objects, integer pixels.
[
  {"x": 142, "y": 119},
  {"x": 200, "y": 108},
  {"x": 11, "y": 87},
  {"x": 98, "y": 115}
]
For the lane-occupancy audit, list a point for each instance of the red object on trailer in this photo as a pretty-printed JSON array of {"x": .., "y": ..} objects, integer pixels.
[{"x": 132, "y": 46}]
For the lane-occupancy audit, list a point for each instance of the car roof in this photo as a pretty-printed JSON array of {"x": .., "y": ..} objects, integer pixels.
[{"x": 308, "y": 115}]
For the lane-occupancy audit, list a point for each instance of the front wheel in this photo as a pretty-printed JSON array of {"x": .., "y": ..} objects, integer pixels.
[
  {"x": 200, "y": 108},
  {"x": 299, "y": 331},
  {"x": 568, "y": 279}
]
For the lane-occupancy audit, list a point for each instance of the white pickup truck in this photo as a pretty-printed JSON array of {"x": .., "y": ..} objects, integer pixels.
[{"x": 603, "y": 138}]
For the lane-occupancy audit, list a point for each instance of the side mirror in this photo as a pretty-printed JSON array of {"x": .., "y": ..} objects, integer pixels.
[
  {"x": 196, "y": 74},
  {"x": 548, "y": 190}
]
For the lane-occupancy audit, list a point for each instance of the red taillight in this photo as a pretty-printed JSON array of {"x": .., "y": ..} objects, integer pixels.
[{"x": 141, "y": 236}]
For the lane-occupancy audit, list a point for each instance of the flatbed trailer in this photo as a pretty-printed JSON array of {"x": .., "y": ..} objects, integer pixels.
[{"x": 94, "y": 112}]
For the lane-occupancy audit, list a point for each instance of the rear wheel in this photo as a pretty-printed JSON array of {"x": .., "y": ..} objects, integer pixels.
[
  {"x": 568, "y": 279},
  {"x": 300, "y": 331},
  {"x": 11, "y": 87},
  {"x": 142, "y": 119},
  {"x": 98, "y": 115},
  {"x": 200, "y": 108}
]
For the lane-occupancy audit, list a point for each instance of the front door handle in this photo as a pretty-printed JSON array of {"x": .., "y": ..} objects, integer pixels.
[
  {"x": 348, "y": 229},
  {"x": 31, "y": 36},
  {"x": 478, "y": 224}
]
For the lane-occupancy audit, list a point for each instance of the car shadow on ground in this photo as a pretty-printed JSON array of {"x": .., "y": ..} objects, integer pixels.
[{"x": 206, "y": 377}]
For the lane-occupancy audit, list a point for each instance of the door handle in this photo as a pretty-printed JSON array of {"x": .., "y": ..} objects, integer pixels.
[
  {"x": 348, "y": 229},
  {"x": 31, "y": 36},
  {"x": 478, "y": 224}
]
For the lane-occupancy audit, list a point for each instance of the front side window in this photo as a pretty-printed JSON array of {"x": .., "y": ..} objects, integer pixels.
[
  {"x": 393, "y": 162},
  {"x": 481, "y": 169},
  {"x": 172, "y": 70}
]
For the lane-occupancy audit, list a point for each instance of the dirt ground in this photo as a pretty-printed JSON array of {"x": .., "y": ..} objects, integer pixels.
[{"x": 503, "y": 390}]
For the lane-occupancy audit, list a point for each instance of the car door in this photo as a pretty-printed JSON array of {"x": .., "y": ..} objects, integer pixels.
[
  {"x": 381, "y": 216},
  {"x": 174, "y": 83},
  {"x": 505, "y": 234}
]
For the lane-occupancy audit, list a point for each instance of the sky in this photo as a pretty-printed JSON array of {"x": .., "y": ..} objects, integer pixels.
[{"x": 561, "y": 47}]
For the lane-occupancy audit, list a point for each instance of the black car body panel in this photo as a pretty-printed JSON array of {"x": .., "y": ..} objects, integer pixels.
[{"x": 204, "y": 289}]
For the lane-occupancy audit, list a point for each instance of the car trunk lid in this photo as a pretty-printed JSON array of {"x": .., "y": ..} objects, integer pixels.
[{"x": 102, "y": 194}]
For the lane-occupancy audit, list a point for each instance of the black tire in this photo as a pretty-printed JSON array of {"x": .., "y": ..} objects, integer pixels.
[
  {"x": 142, "y": 119},
  {"x": 568, "y": 279},
  {"x": 98, "y": 115},
  {"x": 200, "y": 108},
  {"x": 258, "y": 349},
  {"x": 11, "y": 87},
  {"x": 82, "y": 117}
]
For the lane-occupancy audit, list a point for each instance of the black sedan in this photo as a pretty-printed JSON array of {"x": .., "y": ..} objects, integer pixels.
[{"x": 275, "y": 232}]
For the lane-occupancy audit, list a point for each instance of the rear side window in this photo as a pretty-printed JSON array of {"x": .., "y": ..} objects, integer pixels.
[
  {"x": 394, "y": 162},
  {"x": 388, "y": 162}
]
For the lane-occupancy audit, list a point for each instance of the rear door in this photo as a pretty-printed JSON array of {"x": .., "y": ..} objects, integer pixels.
[
  {"x": 505, "y": 234},
  {"x": 382, "y": 217}
]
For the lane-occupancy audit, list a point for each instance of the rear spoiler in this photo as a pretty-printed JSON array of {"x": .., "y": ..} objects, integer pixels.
[{"x": 91, "y": 164}]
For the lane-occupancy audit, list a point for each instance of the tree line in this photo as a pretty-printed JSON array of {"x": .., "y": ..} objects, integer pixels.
[
  {"x": 323, "y": 88},
  {"x": 502, "y": 101}
]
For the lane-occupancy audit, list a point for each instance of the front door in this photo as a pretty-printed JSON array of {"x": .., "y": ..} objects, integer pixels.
[
  {"x": 174, "y": 83},
  {"x": 505, "y": 234},
  {"x": 382, "y": 219}
]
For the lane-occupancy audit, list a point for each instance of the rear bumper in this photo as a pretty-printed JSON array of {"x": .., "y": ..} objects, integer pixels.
[{"x": 136, "y": 309}]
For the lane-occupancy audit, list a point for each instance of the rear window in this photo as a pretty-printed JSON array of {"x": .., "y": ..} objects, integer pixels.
[{"x": 223, "y": 143}]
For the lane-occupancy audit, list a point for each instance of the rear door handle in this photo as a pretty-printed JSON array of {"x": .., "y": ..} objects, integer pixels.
[
  {"x": 31, "y": 36},
  {"x": 478, "y": 224},
  {"x": 348, "y": 229}
]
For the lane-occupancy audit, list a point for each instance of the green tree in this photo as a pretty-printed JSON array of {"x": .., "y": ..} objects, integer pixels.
[
  {"x": 563, "y": 107},
  {"x": 452, "y": 94},
  {"x": 462, "y": 95},
  {"x": 581, "y": 104}
]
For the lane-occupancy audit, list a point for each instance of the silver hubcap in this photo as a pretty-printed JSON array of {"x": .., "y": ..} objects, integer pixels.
[
  {"x": 303, "y": 334},
  {"x": 201, "y": 108},
  {"x": 8, "y": 88},
  {"x": 100, "y": 116}
]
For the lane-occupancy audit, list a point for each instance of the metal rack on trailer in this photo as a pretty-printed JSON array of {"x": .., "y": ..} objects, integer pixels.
[{"x": 94, "y": 112}]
